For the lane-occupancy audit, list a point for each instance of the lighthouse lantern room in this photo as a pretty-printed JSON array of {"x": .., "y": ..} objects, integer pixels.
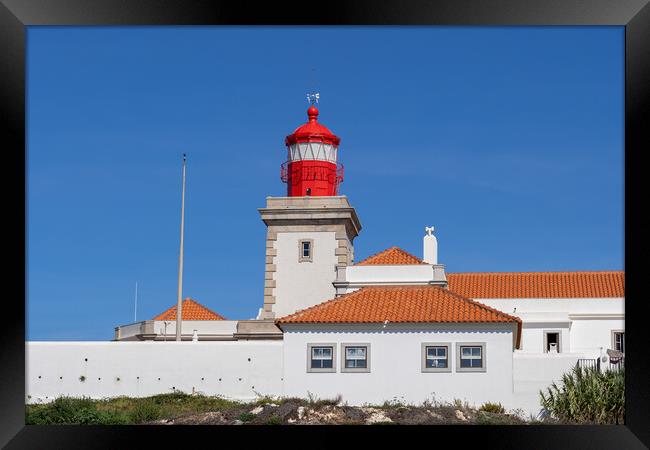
[{"x": 311, "y": 168}]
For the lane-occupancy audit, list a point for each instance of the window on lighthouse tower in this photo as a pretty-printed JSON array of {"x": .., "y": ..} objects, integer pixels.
[{"x": 305, "y": 249}]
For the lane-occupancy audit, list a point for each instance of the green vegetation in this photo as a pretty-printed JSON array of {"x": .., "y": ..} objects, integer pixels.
[
  {"x": 587, "y": 396},
  {"x": 246, "y": 416},
  {"x": 123, "y": 410},
  {"x": 274, "y": 420},
  {"x": 496, "y": 408}
]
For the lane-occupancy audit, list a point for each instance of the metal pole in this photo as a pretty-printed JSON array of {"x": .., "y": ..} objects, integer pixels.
[
  {"x": 135, "y": 309},
  {"x": 179, "y": 306}
]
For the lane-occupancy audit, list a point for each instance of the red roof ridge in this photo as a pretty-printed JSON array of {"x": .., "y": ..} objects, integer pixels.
[
  {"x": 191, "y": 303},
  {"x": 408, "y": 256}
]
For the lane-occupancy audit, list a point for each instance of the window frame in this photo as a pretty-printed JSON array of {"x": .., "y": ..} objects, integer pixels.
[
  {"x": 344, "y": 347},
  {"x": 423, "y": 359},
  {"x": 312, "y": 345},
  {"x": 302, "y": 258},
  {"x": 482, "y": 345},
  {"x": 614, "y": 333},
  {"x": 560, "y": 346}
]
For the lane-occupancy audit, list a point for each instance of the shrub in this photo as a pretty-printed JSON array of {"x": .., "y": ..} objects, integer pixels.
[
  {"x": 274, "y": 420},
  {"x": 587, "y": 396},
  {"x": 316, "y": 402},
  {"x": 246, "y": 416},
  {"x": 496, "y": 408},
  {"x": 68, "y": 410},
  {"x": 145, "y": 411}
]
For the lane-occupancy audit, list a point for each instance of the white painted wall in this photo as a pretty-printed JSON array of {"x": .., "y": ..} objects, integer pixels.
[
  {"x": 214, "y": 368},
  {"x": 592, "y": 337},
  {"x": 203, "y": 327},
  {"x": 395, "y": 363},
  {"x": 535, "y": 372},
  {"x": 303, "y": 284},
  {"x": 382, "y": 274},
  {"x": 579, "y": 335}
]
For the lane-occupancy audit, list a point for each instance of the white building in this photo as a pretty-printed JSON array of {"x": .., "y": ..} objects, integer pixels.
[{"x": 391, "y": 326}]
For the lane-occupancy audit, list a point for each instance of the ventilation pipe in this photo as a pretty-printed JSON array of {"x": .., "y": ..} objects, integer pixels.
[{"x": 430, "y": 247}]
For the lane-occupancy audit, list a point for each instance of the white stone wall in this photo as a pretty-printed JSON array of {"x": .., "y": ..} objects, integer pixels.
[
  {"x": 300, "y": 285},
  {"x": 147, "y": 368},
  {"x": 586, "y": 323},
  {"x": 395, "y": 364}
]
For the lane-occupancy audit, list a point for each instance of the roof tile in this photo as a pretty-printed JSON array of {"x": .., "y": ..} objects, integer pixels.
[
  {"x": 191, "y": 310},
  {"x": 601, "y": 284},
  {"x": 391, "y": 256}
]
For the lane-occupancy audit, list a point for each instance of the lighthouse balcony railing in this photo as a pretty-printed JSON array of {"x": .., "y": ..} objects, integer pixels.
[{"x": 316, "y": 170}]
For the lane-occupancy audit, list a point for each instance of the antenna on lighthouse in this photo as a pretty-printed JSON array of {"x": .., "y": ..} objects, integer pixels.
[{"x": 179, "y": 304}]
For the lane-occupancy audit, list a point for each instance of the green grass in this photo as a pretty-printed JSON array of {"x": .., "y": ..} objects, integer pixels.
[{"x": 123, "y": 410}]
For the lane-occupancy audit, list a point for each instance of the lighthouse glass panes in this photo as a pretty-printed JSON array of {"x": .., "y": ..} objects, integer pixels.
[{"x": 312, "y": 151}]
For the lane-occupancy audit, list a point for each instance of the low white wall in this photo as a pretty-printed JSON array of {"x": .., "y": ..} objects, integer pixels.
[
  {"x": 396, "y": 364},
  {"x": 203, "y": 327},
  {"x": 383, "y": 274},
  {"x": 148, "y": 368},
  {"x": 535, "y": 372}
]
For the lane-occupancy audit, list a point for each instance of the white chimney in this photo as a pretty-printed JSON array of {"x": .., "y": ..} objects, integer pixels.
[{"x": 430, "y": 247}]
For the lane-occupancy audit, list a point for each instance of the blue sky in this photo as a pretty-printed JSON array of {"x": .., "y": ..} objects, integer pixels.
[{"x": 509, "y": 140}]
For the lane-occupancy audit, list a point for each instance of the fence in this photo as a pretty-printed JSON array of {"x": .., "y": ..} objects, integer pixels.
[{"x": 611, "y": 364}]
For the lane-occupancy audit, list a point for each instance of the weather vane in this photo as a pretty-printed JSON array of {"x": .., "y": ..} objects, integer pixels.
[
  {"x": 313, "y": 98},
  {"x": 429, "y": 230}
]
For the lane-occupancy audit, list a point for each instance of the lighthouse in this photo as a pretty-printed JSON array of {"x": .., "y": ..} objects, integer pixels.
[
  {"x": 310, "y": 232},
  {"x": 312, "y": 168}
]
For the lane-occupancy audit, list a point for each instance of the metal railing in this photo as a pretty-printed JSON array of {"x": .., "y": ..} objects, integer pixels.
[{"x": 611, "y": 364}]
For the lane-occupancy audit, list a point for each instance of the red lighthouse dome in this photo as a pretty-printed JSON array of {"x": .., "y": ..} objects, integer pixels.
[{"x": 311, "y": 168}]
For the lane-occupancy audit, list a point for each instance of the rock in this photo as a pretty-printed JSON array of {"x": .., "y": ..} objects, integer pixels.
[
  {"x": 301, "y": 412},
  {"x": 257, "y": 410},
  {"x": 237, "y": 422},
  {"x": 271, "y": 404},
  {"x": 376, "y": 416},
  {"x": 460, "y": 415},
  {"x": 435, "y": 415}
]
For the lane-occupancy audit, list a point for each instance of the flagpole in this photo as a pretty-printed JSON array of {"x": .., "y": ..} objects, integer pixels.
[{"x": 179, "y": 305}]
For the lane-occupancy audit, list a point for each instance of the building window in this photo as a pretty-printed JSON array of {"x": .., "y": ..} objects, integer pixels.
[
  {"x": 435, "y": 357},
  {"x": 618, "y": 340},
  {"x": 321, "y": 357},
  {"x": 470, "y": 357},
  {"x": 355, "y": 357},
  {"x": 552, "y": 341},
  {"x": 305, "y": 250}
]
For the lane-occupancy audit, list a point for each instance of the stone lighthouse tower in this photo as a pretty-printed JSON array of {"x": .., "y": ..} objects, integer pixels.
[{"x": 310, "y": 232}]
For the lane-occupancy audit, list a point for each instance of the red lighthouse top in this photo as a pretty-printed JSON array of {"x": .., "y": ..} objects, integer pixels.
[
  {"x": 312, "y": 131},
  {"x": 312, "y": 168}
]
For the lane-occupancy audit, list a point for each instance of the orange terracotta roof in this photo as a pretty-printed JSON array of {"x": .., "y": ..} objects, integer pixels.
[
  {"x": 413, "y": 304},
  {"x": 538, "y": 284},
  {"x": 391, "y": 256},
  {"x": 191, "y": 310}
]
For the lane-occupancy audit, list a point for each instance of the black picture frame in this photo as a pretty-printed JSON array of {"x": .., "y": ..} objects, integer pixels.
[{"x": 16, "y": 15}]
